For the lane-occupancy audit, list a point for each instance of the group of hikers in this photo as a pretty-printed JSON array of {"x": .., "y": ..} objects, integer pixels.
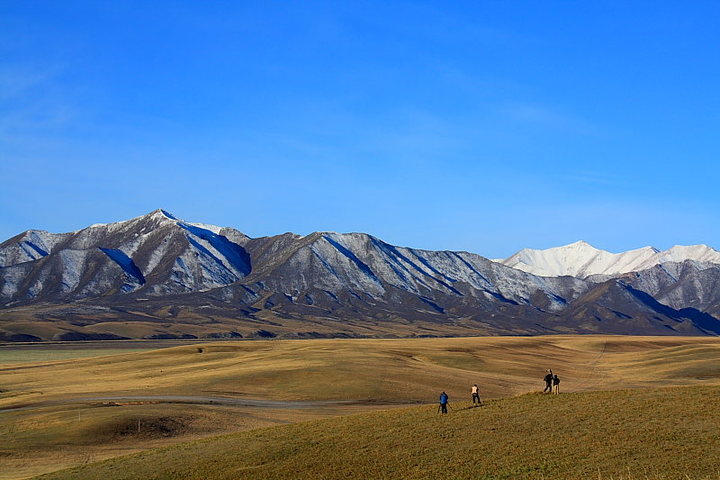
[
  {"x": 552, "y": 382},
  {"x": 552, "y": 385}
]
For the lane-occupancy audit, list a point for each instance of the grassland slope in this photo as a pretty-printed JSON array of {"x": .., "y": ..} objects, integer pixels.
[
  {"x": 392, "y": 370},
  {"x": 649, "y": 433}
]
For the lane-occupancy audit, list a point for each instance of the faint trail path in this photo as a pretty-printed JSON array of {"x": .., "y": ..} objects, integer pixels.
[
  {"x": 594, "y": 375},
  {"x": 202, "y": 400}
]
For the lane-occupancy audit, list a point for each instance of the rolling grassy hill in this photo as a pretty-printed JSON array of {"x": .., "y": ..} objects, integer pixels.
[
  {"x": 62, "y": 413},
  {"x": 650, "y": 433},
  {"x": 392, "y": 370}
]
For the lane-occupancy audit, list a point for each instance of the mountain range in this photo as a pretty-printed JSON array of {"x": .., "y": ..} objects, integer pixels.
[
  {"x": 582, "y": 260},
  {"x": 157, "y": 276}
]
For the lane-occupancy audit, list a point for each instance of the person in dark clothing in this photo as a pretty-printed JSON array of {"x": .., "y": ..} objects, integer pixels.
[
  {"x": 548, "y": 381},
  {"x": 443, "y": 402},
  {"x": 556, "y": 384}
]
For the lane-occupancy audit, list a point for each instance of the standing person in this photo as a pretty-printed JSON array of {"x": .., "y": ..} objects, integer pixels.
[
  {"x": 548, "y": 381},
  {"x": 475, "y": 394},
  {"x": 443, "y": 402},
  {"x": 556, "y": 384}
]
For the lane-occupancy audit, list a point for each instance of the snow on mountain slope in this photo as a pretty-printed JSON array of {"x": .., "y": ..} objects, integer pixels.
[
  {"x": 29, "y": 246},
  {"x": 690, "y": 284},
  {"x": 582, "y": 260},
  {"x": 158, "y": 250},
  {"x": 337, "y": 262},
  {"x": 680, "y": 253},
  {"x": 147, "y": 263},
  {"x": 158, "y": 254}
]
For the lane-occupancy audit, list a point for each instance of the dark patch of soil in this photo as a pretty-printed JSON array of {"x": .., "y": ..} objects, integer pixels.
[
  {"x": 19, "y": 337},
  {"x": 144, "y": 428},
  {"x": 82, "y": 336},
  {"x": 224, "y": 335},
  {"x": 263, "y": 334},
  {"x": 170, "y": 336}
]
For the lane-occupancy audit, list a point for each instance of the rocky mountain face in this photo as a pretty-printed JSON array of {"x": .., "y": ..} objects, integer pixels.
[
  {"x": 156, "y": 253},
  {"x": 156, "y": 276}
]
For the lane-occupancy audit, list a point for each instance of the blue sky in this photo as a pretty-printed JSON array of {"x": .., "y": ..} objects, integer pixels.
[{"x": 483, "y": 126}]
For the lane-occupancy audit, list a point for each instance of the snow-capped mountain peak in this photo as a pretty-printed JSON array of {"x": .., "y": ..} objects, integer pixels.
[
  {"x": 580, "y": 259},
  {"x": 180, "y": 256},
  {"x": 680, "y": 253}
]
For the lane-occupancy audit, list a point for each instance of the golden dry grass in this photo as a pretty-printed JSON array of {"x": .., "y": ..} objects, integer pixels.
[
  {"x": 404, "y": 370},
  {"x": 45, "y": 439},
  {"x": 639, "y": 434},
  {"x": 368, "y": 372}
]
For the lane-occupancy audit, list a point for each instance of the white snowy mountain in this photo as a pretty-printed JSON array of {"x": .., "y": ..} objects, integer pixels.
[{"x": 581, "y": 260}]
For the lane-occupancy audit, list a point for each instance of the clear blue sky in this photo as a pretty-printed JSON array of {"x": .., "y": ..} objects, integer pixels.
[{"x": 485, "y": 126}]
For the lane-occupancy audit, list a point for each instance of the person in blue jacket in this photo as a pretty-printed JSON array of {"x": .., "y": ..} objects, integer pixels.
[{"x": 443, "y": 402}]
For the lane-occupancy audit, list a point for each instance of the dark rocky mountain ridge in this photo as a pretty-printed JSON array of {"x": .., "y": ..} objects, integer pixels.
[{"x": 156, "y": 276}]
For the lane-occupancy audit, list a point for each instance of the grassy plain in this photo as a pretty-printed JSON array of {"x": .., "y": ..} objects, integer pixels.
[
  {"x": 640, "y": 434},
  {"x": 8, "y": 356},
  {"x": 58, "y": 413}
]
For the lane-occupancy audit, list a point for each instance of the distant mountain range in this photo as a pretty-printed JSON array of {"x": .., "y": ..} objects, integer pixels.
[
  {"x": 157, "y": 276},
  {"x": 582, "y": 260}
]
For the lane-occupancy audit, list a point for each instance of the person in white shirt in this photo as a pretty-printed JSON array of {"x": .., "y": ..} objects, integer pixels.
[{"x": 475, "y": 394}]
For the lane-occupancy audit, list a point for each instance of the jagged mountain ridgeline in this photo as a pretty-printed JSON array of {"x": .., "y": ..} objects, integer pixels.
[{"x": 157, "y": 276}]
